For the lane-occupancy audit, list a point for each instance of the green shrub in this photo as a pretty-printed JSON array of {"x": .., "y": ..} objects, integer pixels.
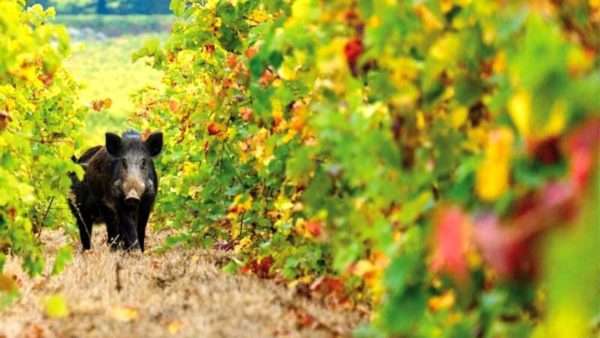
[{"x": 39, "y": 125}]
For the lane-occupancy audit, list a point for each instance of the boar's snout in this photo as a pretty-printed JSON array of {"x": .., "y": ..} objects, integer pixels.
[
  {"x": 132, "y": 198},
  {"x": 133, "y": 188}
]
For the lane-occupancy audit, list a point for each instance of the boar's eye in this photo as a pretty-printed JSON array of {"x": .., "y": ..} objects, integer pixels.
[
  {"x": 144, "y": 162},
  {"x": 124, "y": 163}
]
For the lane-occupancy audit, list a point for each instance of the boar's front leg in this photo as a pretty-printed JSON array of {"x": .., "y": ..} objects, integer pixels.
[
  {"x": 143, "y": 215},
  {"x": 128, "y": 227},
  {"x": 112, "y": 225}
]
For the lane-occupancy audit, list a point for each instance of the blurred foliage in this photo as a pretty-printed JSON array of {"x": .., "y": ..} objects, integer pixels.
[
  {"x": 39, "y": 131},
  {"x": 418, "y": 151}
]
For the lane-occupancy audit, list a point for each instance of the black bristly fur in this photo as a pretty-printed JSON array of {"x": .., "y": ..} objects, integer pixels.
[{"x": 124, "y": 163}]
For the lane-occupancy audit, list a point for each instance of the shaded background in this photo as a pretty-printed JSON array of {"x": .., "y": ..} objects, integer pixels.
[{"x": 103, "y": 7}]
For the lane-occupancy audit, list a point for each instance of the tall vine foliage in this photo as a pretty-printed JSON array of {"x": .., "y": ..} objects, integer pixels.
[
  {"x": 422, "y": 153},
  {"x": 39, "y": 122}
]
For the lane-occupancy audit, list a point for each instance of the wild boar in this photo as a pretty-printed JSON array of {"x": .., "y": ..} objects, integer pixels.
[{"x": 119, "y": 187}]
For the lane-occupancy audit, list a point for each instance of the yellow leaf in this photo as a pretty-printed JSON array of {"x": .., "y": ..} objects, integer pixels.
[
  {"x": 579, "y": 62},
  {"x": 374, "y": 22},
  {"x": 235, "y": 229},
  {"x": 445, "y": 48},
  {"x": 331, "y": 61},
  {"x": 124, "y": 313},
  {"x": 446, "y": 5},
  {"x": 442, "y": 302},
  {"x": 283, "y": 203},
  {"x": 556, "y": 121},
  {"x": 258, "y": 15},
  {"x": 403, "y": 70},
  {"x": 459, "y": 116},
  {"x": 421, "y": 124},
  {"x": 55, "y": 306},
  {"x": 241, "y": 203},
  {"x": 566, "y": 322},
  {"x": 499, "y": 63},
  {"x": 519, "y": 109},
  {"x": 189, "y": 167},
  {"x": 493, "y": 173},
  {"x": 363, "y": 267},
  {"x": 194, "y": 191},
  {"x": 175, "y": 326},
  {"x": 430, "y": 20},
  {"x": 489, "y": 34},
  {"x": 287, "y": 72},
  {"x": 301, "y": 9},
  {"x": 243, "y": 244},
  {"x": 277, "y": 109}
]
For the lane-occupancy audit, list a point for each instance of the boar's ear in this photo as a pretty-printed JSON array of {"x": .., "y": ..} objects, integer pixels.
[
  {"x": 113, "y": 144},
  {"x": 154, "y": 143}
]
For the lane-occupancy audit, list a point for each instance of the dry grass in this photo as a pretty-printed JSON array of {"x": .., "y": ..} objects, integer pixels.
[{"x": 178, "y": 294}]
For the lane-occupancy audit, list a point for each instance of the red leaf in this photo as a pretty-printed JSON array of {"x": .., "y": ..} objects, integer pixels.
[
  {"x": 304, "y": 319},
  {"x": 246, "y": 113},
  {"x": 327, "y": 285},
  {"x": 503, "y": 249},
  {"x": 330, "y": 289},
  {"x": 4, "y": 119},
  {"x": 546, "y": 151},
  {"x": 250, "y": 52},
  {"x": 213, "y": 129},
  {"x": 232, "y": 61},
  {"x": 173, "y": 106},
  {"x": 99, "y": 105},
  {"x": 266, "y": 78},
  {"x": 353, "y": 50},
  {"x": 510, "y": 247},
  {"x": 46, "y": 79},
  {"x": 314, "y": 228},
  {"x": 260, "y": 268},
  {"x": 12, "y": 214},
  {"x": 209, "y": 48},
  {"x": 451, "y": 240},
  {"x": 583, "y": 146}
]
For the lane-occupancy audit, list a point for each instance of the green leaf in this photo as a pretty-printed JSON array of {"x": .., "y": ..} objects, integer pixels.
[
  {"x": 178, "y": 7},
  {"x": 275, "y": 59},
  {"x": 415, "y": 207},
  {"x": 402, "y": 314},
  {"x": 63, "y": 257}
]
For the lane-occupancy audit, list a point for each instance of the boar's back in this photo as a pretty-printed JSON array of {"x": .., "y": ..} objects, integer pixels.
[{"x": 88, "y": 154}]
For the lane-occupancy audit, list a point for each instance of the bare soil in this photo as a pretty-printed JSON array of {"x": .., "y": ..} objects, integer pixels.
[{"x": 181, "y": 293}]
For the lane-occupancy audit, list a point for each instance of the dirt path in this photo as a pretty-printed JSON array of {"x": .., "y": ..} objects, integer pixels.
[{"x": 178, "y": 294}]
